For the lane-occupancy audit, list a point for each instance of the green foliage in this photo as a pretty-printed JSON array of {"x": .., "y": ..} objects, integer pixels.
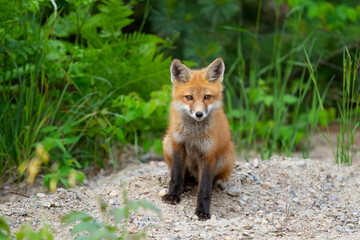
[
  {"x": 4, "y": 229},
  {"x": 90, "y": 228},
  {"x": 344, "y": 151},
  {"x": 87, "y": 226},
  {"x": 67, "y": 81},
  {"x": 26, "y": 232}
]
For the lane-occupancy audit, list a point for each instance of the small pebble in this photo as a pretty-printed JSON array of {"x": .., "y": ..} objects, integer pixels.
[
  {"x": 255, "y": 163},
  {"x": 233, "y": 192},
  {"x": 8, "y": 213},
  {"x": 162, "y": 192},
  {"x": 46, "y": 204},
  {"x": 266, "y": 185},
  {"x": 340, "y": 229},
  {"x": 113, "y": 193},
  {"x": 40, "y": 195},
  {"x": 300, "y": 163}
]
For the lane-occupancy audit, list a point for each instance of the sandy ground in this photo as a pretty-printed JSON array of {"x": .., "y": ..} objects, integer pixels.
[{"x": 289, "y": 198}]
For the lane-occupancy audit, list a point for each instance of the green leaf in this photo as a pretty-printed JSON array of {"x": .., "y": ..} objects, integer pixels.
[
  {"x": 351, "y": 14},
  {"x": 119, "y": 214},
  {"x": 64, "y": 181},
  {"x": 104, "y": 234},
  {"x": 91, "y": 227},
  {"x": 158, "y": 146},
  {"x": 139, "y": 235},
  {"x": 135, "y": 204},
  {"x": 80, "y": 176},
  {"x": 49, "y": 129},
  {"x": 146, "y": 144},
  {"x": 290, "y": 99},
  {"x": 70, "y": 140},
  {"x": 49, "y": 177},
  {"x": 48, "y": 143},
  {"x": 148, "y": 206},
  {"x": 102, "y": 123},
  {"x": 120, "y": 135},
  {"x": 5, "y": 227},
  {"x": 75, "y": 216}
]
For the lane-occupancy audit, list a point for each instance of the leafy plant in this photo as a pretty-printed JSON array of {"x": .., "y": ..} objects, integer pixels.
[
  {"x": 25, "y": 232},
  {"x": 4, "y": 229},
  {"x": 63, "y": 68},
  {"x": 90, "y": 228},
  {"x": 349, "y": 110}
]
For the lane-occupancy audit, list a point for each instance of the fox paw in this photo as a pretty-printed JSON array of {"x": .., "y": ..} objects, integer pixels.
[
  {"x": 170, "y": 199},
  {"x": 203, "y": 216}
]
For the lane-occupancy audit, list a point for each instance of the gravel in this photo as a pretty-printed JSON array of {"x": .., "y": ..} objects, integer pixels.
[{"x": 282, "y": 197}]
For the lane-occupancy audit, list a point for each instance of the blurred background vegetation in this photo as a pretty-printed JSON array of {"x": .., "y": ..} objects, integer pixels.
[{"x": 82, "y": 79}]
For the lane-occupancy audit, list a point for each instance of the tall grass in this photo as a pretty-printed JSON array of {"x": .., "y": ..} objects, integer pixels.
[
  {"x": 344, "y": 150},
  {"x": 25, "y": 104},
  {"x": 269, "y": 115}
]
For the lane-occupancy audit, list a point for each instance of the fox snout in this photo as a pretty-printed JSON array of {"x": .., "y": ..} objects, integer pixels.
[
  {"x": 198, "y": 111},
  {"x": 198, "y": 115}
]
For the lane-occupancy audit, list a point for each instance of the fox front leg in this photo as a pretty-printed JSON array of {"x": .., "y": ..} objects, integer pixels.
[
  {"x": 204, "y": 193},
  {"x": 177, "y": 177}
]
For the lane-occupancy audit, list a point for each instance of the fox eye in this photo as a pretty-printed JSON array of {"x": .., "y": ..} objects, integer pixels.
[
  {"x": 207, "y": 97},
  {"x": 189, "y": 98}
]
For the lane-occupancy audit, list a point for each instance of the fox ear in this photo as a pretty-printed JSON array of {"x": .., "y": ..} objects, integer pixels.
[
  {"x": 215, "y": 71},
  {"x": 179, "y": 72}
]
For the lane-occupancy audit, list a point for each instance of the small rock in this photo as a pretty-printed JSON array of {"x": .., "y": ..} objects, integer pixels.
[
  {"x": 308, "y": 214},
  {"x": 162, "y": 192},
  {"x": 311, "y": 190},
  {"x": 278, "y": 226},
  {"x": 138, "y": 185},
  {"x": 177, "y": 229},
  {"x": 256, "y": 207},
  {"x": 111, "y": 201},
  {"x": 133, "y": 230},
  {"x": 8, "y": 213},
  {"x": 266, "y": 185},
  {"x": 161, "y": 164},
  {"x": 334, "y": 198},
  {"x": 40, "y": 195},
  {"x": 255, "y": 163},
  {"x": 46, "y": 204},
  {"x": 213, "y": 218},
  {"x": 340, "y": 229},
  {"x": 248, "y": 227},
  {"x": 113, "y": 193},
  {"x": 222, "y": 186},
  {"x": 233, "y": 192},
  {"x": 300, "y": 163},
  {"x": 23, "y": 212},
  {"x": 296, "y": 200},
  {"x": 246, "y": 233}
]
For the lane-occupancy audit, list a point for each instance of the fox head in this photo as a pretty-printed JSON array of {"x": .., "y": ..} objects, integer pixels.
[{"x": 197, "y": 92}]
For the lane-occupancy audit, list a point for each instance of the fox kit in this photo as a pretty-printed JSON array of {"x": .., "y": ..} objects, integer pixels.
[{"x": 198, "y": 140}]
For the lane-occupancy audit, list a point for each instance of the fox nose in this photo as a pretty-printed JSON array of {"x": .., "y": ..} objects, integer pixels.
[{"x": 199, "y": 114}]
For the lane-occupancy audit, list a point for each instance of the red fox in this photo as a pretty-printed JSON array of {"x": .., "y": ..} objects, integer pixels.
[{"x": 198, "y": 140}]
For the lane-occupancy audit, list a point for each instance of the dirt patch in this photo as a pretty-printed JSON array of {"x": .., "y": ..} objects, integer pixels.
[{"x": 281, "y": 197}]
